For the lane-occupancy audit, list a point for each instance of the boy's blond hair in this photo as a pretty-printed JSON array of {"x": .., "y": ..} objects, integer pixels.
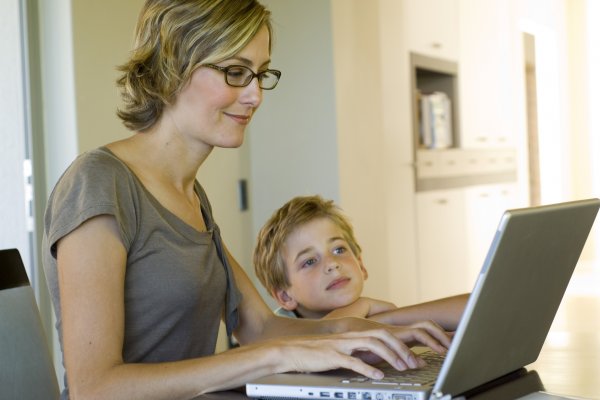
[{"x": 269, "y": 265}]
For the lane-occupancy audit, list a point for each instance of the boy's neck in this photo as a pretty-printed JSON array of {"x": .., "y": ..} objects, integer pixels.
[{"x": 309, "y": 314}]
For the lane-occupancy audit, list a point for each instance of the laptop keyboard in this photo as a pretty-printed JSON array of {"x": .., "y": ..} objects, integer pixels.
[{"x": 412, "y": 377}]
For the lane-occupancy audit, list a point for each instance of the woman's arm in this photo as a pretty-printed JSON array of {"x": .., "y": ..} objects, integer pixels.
[
  {"x": 446, "y": 312},
  {"x": 91, "y": 269}
]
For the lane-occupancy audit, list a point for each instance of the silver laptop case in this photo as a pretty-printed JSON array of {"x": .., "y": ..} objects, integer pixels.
[{"x": 506, "y": 320}]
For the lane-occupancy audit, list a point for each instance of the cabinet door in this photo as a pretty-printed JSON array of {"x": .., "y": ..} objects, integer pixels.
[
  {"x": 432, "y": 27},
  {"x": 486, "y": 66},
  {"x": 441, "y": 245},
  {"x": 485, "y": 205}
]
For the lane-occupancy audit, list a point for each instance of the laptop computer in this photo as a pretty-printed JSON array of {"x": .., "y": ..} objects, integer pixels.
[
  {"x": 26, "y": 368},
  {"x": 505, "y": 322}
]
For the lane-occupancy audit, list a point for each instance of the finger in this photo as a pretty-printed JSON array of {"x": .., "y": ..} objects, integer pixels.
[
  {"x": 422, "y": 336},
  {"x": 387, "y": 346},
  {"x": 357, "y": 365},
  {"x": 337, "y": 352},
  {"x": 437, "y": 332}
]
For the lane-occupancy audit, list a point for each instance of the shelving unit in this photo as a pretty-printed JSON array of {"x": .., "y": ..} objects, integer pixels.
[
  {"x": 453, "y": 166},
  {"x": 428, "y": 75}
]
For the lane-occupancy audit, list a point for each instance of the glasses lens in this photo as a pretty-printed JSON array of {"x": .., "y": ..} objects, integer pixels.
[
  {"x": 268, "y": 79},
  {"x": 238, "y": 75}
]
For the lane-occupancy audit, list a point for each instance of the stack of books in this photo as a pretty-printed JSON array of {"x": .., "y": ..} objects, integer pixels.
[{"x": 435, "y": 116}]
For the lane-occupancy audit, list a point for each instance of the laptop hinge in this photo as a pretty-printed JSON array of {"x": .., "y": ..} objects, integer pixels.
[{"x": 442, "y": 396}]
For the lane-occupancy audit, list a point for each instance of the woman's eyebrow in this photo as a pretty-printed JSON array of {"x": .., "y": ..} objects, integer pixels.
[{"x": 248, "y": 62}]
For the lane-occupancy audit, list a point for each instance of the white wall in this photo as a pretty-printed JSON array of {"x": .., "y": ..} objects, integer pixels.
[
  {"x": 292, "y": 140},
  {"x": 102, "y": 37},
  {"x": 56, "y": 53},
  {"x": 375, "y": 144},
  {"x": 13, "y": 132},
  {"x": 292, "y": 137},
  {"x": 593, "y": 49}
]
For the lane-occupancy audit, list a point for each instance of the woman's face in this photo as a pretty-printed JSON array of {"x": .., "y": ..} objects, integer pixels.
[{"x": 212, "y": 112}]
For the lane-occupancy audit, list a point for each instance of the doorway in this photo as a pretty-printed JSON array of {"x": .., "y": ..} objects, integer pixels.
[{"x": 532, "y": 120}]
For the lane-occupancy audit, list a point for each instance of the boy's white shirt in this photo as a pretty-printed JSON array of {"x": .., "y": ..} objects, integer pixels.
[{"x": 282, "y": 312}]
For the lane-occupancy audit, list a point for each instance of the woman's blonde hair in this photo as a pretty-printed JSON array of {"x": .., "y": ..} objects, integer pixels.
[
  {"x": 268, "y": 262},
  {"x": 172, "y": 38}
]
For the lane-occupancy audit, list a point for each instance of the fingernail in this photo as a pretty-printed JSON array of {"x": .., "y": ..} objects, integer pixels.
[
  {"x": 416, "y": 362},
  {"x": 378, "y": 375},
  {"x": 400, "y": 364}
]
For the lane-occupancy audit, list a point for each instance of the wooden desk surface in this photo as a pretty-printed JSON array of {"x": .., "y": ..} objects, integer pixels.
[{"x": 569, "y": 363}]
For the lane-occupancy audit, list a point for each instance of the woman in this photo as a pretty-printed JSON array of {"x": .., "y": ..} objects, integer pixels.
[{"x": 135, "y": 264}]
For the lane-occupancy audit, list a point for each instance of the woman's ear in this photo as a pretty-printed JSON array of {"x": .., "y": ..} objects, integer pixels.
[
  {"x": 285, "y": 300},
  {"x": 363, "y": 269}
]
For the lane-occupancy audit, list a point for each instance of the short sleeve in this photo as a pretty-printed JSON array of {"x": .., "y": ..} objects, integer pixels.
[{"x": 96, "y": 183}]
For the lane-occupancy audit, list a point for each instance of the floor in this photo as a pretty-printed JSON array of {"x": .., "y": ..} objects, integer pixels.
[{"x": 570, "y": 360}]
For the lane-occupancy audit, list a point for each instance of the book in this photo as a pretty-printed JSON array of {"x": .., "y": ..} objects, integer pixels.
[{"x": 435, "y": 120}]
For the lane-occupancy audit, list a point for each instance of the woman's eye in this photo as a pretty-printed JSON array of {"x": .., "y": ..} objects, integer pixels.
[
  {"x": 235, "y": 73},
  {"x": 309, "y": 262}
]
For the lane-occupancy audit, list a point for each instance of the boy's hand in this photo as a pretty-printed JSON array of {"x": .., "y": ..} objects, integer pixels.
[
  {"x": 363, "y": 307},
  {"x": 422, "y": 333}
]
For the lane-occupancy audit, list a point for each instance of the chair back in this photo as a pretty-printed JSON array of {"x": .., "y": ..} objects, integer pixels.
[{"x": 26, "y": 368}]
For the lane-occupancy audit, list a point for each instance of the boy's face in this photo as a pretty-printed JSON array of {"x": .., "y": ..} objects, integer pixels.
[{"x": 323, "y": 272}]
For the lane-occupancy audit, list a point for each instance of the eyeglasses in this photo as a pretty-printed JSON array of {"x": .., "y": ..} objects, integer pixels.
[{"x": 241, "y": 76}]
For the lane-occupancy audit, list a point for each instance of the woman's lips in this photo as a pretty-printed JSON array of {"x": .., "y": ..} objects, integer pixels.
[
  {"x": 240, "y": 119},
  {"x": 338, "y": 283}
]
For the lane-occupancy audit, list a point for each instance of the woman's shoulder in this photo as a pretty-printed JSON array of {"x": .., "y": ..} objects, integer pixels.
[
  {"x": 98, "y": 167},
  {"x": 96, "y": 183},
  {"x": 101, "y": 160},
  {"x": 95, "y": 174}
]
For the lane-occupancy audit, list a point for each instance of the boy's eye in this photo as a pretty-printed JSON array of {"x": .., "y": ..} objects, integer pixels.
[
  {"x": 339, "y": 250},
  {"x": 309, "y": 262}
]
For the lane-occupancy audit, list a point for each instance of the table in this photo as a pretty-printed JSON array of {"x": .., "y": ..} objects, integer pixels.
[{"x": 568, "y": 365}]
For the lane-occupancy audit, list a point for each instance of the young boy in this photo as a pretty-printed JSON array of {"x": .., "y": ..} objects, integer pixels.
[{"x": 308, "y": 259}]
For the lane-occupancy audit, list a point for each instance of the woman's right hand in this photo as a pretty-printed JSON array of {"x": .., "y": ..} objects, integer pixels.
[{"x": 356, "y": 350}]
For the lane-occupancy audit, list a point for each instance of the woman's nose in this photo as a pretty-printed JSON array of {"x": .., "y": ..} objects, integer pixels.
[{"x": 252, "y": 94}]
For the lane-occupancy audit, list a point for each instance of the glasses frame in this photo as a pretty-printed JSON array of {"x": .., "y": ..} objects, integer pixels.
[{"x": 225, "y": 71}]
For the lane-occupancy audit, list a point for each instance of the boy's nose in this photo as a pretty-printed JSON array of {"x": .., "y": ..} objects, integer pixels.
[{"x": 331, "y": 267}]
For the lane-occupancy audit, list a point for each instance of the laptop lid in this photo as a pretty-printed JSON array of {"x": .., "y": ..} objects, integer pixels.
[
  {"x": 26, "y": 368},
  {"x": 518, "y": 291},
  {"x": 506, "y": 320}
]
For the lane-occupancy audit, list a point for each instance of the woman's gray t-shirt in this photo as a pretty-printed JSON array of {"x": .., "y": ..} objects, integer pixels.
[{"x": 176, "y": 284}]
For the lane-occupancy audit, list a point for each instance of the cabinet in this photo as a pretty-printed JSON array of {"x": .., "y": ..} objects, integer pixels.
[
  {"x": 432, "y": 27},
  {"x": 488, "y": 98},
  {"x": 484, "y": 206},
  {"x": 441, "y": 233},
  {"x": 454, "y": 231},
  {"x": 462, "y": 190}
]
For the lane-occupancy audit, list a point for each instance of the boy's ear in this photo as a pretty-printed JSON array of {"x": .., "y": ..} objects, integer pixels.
[
  {"x": 363, "y": 269},
  {"x": 285, "y": 300}
]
